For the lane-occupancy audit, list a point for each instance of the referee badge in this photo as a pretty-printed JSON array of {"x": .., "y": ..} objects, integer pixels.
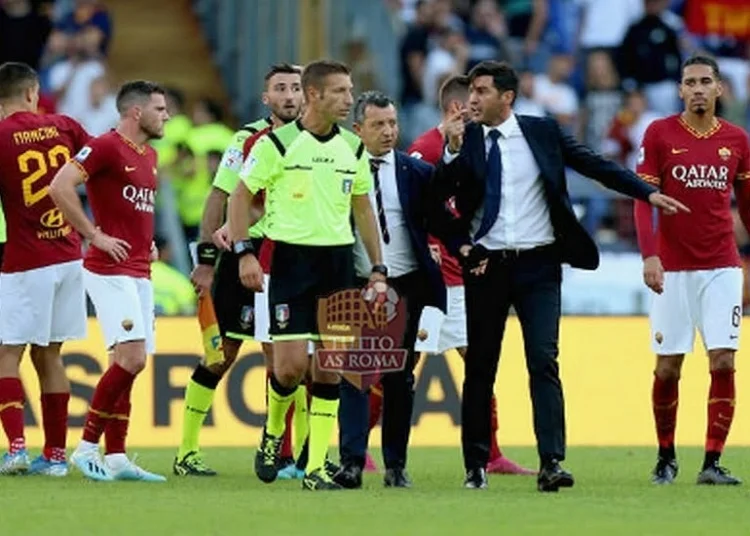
[
  {"x": 247, "y": 314},
  {"x": 346, "y": 186},
  {"x": 282, "y": 315}
]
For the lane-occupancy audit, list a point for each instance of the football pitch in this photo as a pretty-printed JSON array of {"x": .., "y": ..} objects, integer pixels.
[{"x": 612, "y": 496}]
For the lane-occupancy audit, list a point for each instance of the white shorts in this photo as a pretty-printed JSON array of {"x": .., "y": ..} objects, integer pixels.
[
  {"x": 262, "y": 320},
  {"x": 43, "y": 305},
  {"x": 124, "y": 307},
  {"x": 709, "y": 300},
  {"x": 444, "y": 331}
]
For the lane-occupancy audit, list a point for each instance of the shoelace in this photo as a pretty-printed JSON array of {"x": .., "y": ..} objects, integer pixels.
[{"x": 270, "y": 448}]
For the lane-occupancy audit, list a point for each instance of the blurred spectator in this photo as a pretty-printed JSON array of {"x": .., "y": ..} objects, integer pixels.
[
  {"x": 650, "y": 58},
  {"x": 604, "y": 23},
  {"x": 70, "y": 79},
  {"x": 603, "y": 98},
  {"x": 730, "y": 107},
  {"x": 526, "y": 21},
  {"x": 176, "y": 130},
  {"x": 101, "y": 114},
  {"x": 555, "y": 94},
  {"x": 23, "y": 31},
  {"x": 209, "y": 133},
  {"x": 174, "y": 295},
  {"x": 486, "y": 33},
  {"x": 625, "y": 134},
  {"x": 449, "y": 56},
  {"x": 526, "y": 101},
  {"x": 88, "y": 15}
]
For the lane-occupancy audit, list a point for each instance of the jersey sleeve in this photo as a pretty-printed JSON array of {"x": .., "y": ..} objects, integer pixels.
[
  {"x": 649, "y": 159},
  {"x": 94, "y": 157},
  {"x": 261, "y": 167},
  {"x": 743, "y": 169},
  {"x": 363, "y": 179},
  {"x": 227, "y": 176}
]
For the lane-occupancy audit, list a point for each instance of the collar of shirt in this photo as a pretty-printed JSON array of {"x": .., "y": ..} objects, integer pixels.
[
  {"x": 387, "y": 158},
  {"x": 507, "y": 128}
]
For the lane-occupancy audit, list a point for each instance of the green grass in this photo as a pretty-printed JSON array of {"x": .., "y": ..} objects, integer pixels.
[{"x": 612, "y": 497}]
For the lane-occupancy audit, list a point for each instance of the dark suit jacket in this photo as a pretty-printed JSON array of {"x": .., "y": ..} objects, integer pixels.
[
  {"x": 414, "y": 178},
  {"x": 553, "y": 151}
]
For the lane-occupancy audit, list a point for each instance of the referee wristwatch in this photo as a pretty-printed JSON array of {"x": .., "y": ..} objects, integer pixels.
[
  {"x": 243, "y": 247},
  {"x": 381, "y": 269}
]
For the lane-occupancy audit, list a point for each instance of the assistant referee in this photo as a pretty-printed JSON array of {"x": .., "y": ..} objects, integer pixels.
[{"x": 316, "y": 176}]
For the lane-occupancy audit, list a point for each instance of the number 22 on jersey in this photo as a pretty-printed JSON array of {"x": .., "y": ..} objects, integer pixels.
[{"x": 37, "y": 164}]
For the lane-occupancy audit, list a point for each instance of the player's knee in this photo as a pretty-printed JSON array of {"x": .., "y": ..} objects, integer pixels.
[
  {"x": 668, "y": 367},
  {"x": 721, "y": 359},
  {"x": 131, "y": 356}
]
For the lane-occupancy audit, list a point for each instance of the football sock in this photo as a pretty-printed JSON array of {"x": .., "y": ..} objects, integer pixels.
[
  {"x": 376, "y": 405},
  {"x": 55, "y": 423},
  {"x": 116, "y": 428},
  {"x": 112, "y": 384},
  {"x": 199, "y": 396},
  {"x": 286, "y": 441},
  {"x": 495, "y": 452},
  {"x": 720, "y": 414},
  {"x": 300, "y": 422},
  {"x": 324, "y": 411},
  {"x": 664, "y": 397},
  {"x": 279, "y": 400},
  {"x": 11, "y": 412}
]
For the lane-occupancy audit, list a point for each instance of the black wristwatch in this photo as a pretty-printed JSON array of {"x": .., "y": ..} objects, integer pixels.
[
  {"x": 381, "y": 269},
  {"x": 243, "y": 247}
]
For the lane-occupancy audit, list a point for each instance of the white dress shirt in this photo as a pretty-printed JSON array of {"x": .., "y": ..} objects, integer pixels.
[
  {"x": 523, "y": 221},
  {"x": 398, "y": 253}
]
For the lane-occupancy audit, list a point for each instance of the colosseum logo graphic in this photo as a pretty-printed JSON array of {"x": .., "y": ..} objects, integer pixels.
[{"x": 361, "y": 331}]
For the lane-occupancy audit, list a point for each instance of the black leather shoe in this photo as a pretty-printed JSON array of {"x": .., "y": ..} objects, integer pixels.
[
  {"x": 349, "y": 477},
  {"x": 396, "y": 478},
  {"x": 476, "y": 479},
  {"x": 552, "y": 477}
]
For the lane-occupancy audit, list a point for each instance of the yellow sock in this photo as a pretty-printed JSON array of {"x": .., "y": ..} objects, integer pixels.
[
  {"x": 323, "y": 414},
  {"x": 278, "y": 405},
  {"x": 300, "y": 422}
]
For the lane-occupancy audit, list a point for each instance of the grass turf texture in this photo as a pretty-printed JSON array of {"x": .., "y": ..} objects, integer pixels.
[{"x": 612, "y": 494}]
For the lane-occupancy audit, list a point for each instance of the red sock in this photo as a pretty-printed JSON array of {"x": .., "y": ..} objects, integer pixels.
[
  {"x": 116, "y": 426},
  {"x": 376, "y": 405},
  {"x": 55, "y": 423},
  {"x": 108, "y": 391},
  {"x": 11, "y": 412},
  {"x": 286, "y": 440},
  {"x": 494, "y": 447},
  {"x": 664, "y": 397},
  {"x": 720, "y": 409}
]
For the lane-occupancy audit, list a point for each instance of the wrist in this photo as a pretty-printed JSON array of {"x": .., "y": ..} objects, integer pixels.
[
  {"x": 207, "y": 253},
  {"x": 381, "y": 269},
  {"x": 244, "y": 247}
]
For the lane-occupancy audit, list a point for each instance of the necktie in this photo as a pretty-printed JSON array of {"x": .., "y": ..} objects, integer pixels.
[
  {"x": 375, "y": 168},
  {"x": 493, "y": 183}
]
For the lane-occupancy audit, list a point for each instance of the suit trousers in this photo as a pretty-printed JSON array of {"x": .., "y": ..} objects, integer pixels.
[
  {"x": 530, "y": 282},
  {"x": 398, "y": 390}
]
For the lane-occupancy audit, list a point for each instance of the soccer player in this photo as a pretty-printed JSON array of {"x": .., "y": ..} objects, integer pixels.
[
  {"x": 41, "y": 281},
  {"x": 234, "y": 304},
  {"x": 691, "y": 261},
  {"x": 119, "y": 169},
  {"x": 317, "y": 177},
  {"x": 454, "y": 95}
]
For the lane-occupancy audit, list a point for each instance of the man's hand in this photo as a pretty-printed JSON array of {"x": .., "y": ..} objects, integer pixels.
[
  {"x": 454, "y": 128},
  {"x": 666, "y": 203},
  {"x": 202, "y": 278},
  {"x": 114, "y": 247},
  {"x": 653, "y": 274},
  {"x": 220, "y": 238},
  {"x": 475, "y": 258},
  {"x": 435, "y": 254},
  {"x": 154, "y": 254},
  {"x": 251, "y": 274}
]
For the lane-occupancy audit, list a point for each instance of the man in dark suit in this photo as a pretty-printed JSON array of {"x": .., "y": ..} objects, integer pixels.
[
  {"x": 400, "y": 202},
  {"x": 517, "y": 226}
]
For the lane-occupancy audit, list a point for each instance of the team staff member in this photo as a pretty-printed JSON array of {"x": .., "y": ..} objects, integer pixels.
[
  {"x": 316, "y": 176},
  {"x": 233, "y": 303}
]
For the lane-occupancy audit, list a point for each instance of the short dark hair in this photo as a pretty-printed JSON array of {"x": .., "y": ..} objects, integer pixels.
[
  {"x": 282, "y": 68},
  {"x": 136, "y": 91},
  {"x": 317, "y": 71},
  {"x": 15, "y": 78},
  {"x": 454, "y": 88},
  {"x": 702, "y": 59},
  {"x": 504, "y": 76},
  {"x": 370, "y": 98}
]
